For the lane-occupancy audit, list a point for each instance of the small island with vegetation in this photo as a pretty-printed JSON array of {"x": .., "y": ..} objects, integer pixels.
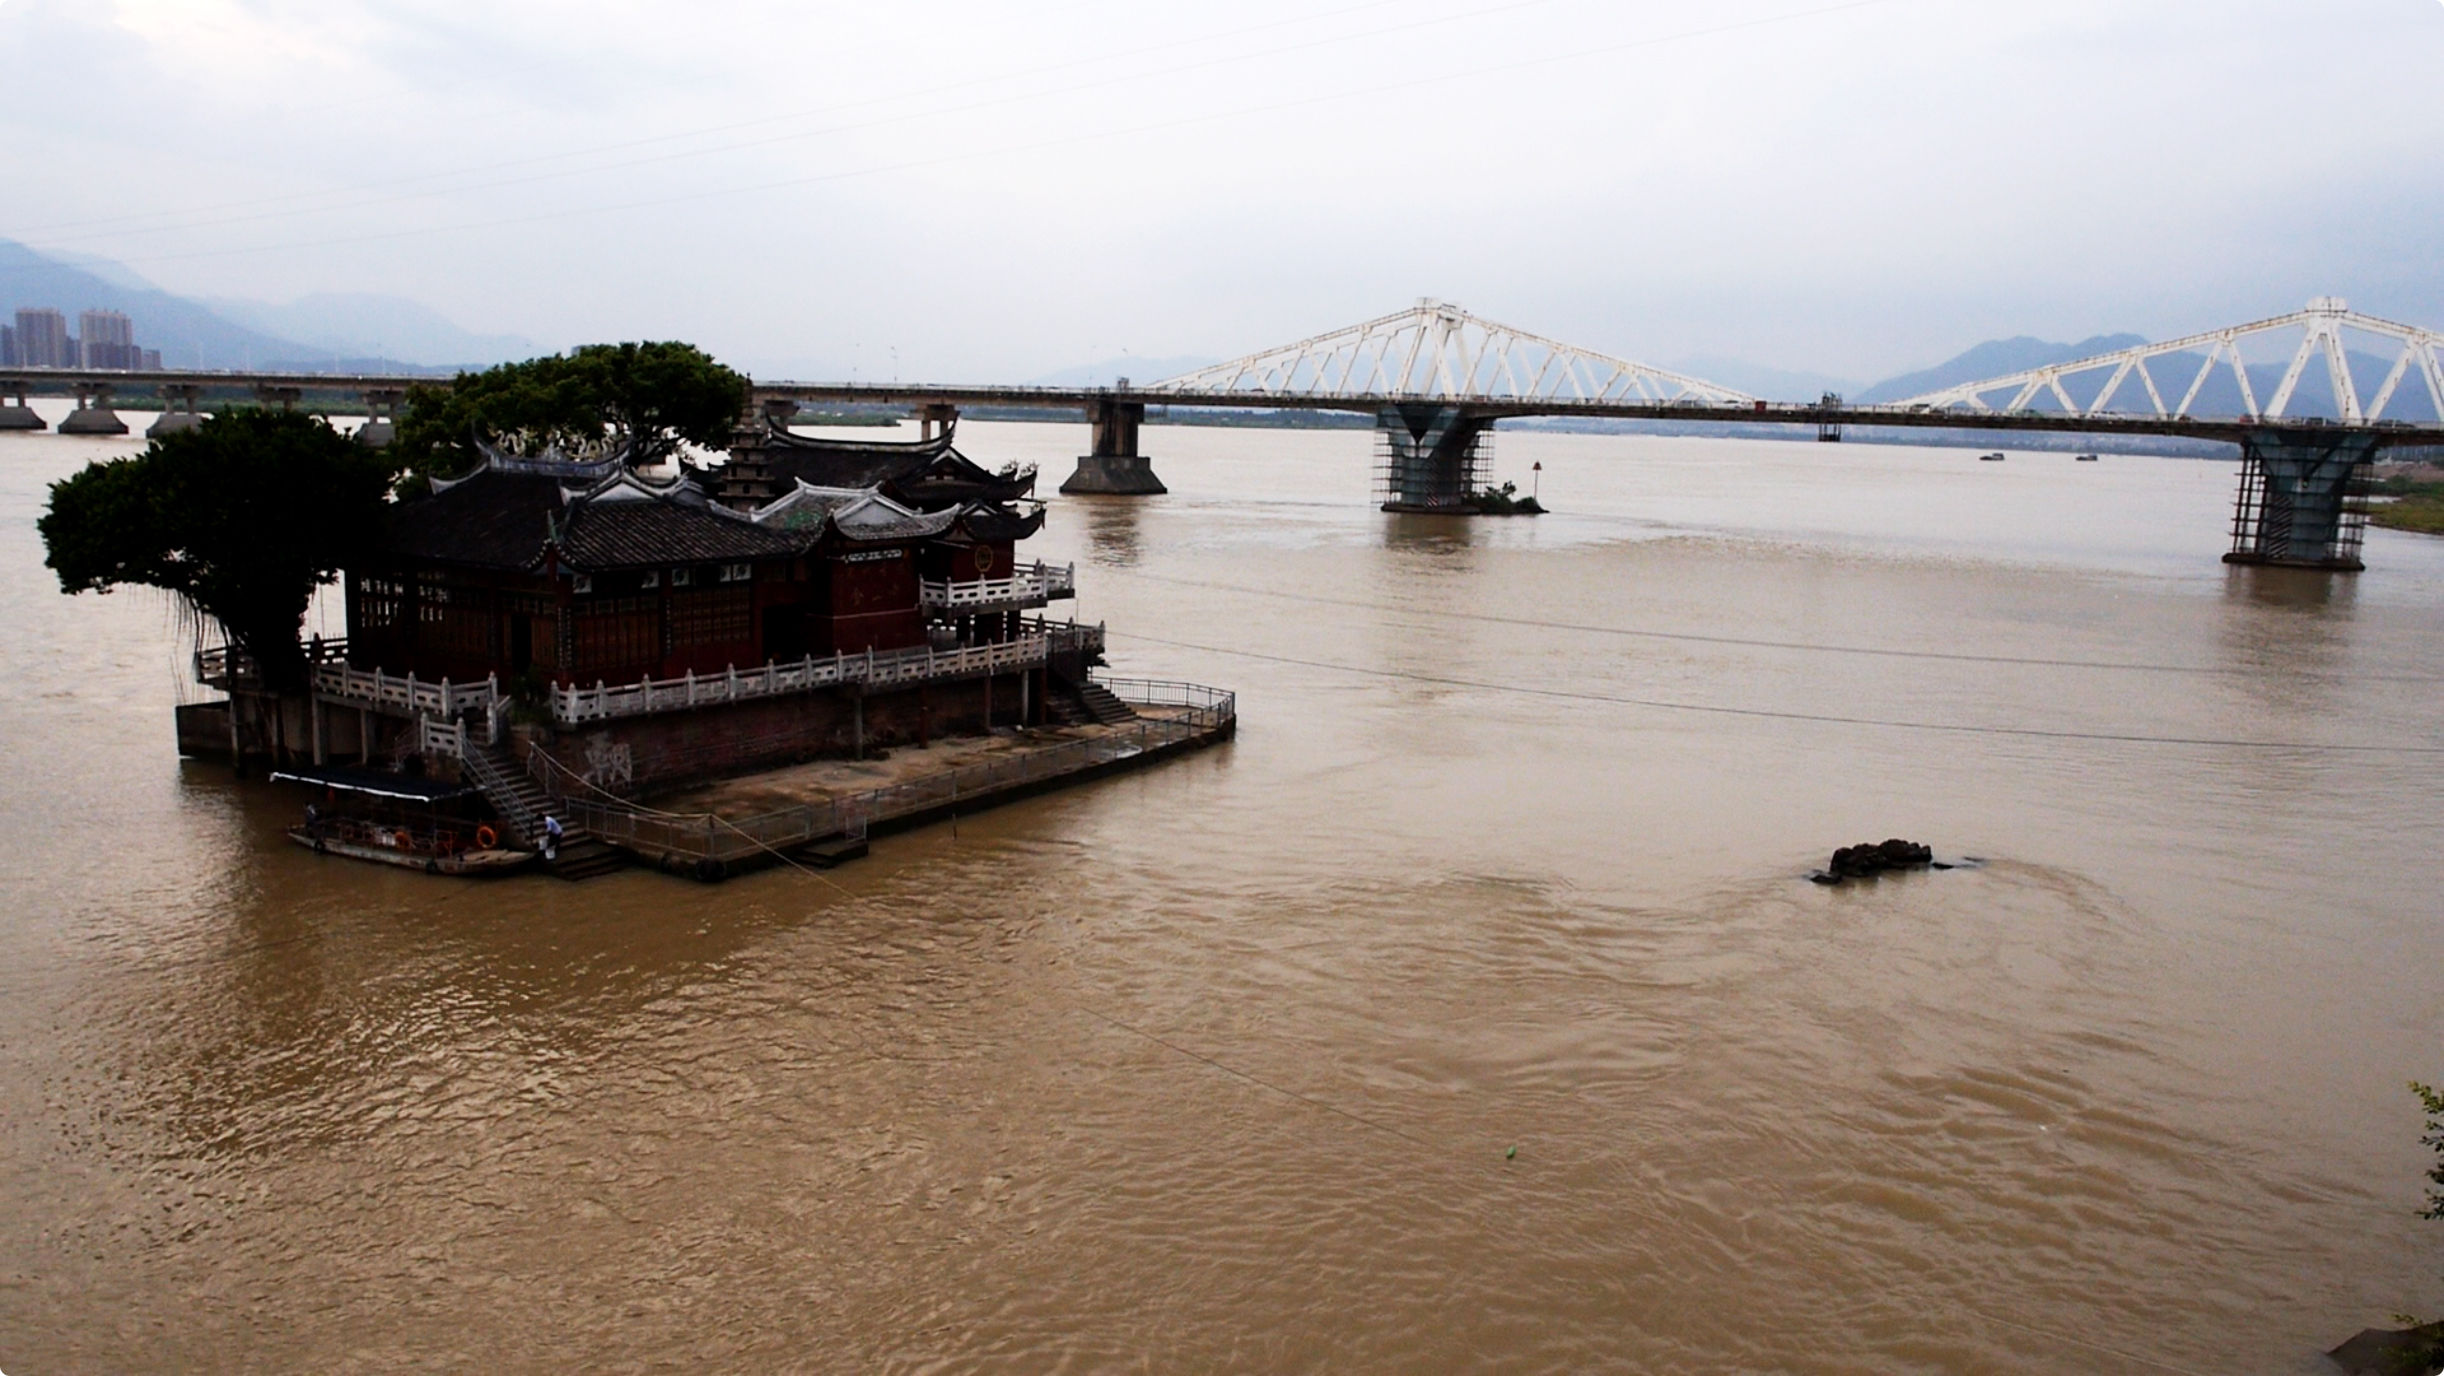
[
  {"x": 585, "y": 588},
  {"x": 2410, "y": 497}
]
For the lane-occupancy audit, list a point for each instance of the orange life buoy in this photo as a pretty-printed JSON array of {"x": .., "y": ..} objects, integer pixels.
[
  {"x": 402, "y": 840},
  {"x": 486, "y": 838}
]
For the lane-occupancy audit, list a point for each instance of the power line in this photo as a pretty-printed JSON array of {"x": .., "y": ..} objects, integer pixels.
[
  {"x": 1770, "y": 714},
  {"x": 1005, "y": 152},
  {"x": 1739, "y": 642}
]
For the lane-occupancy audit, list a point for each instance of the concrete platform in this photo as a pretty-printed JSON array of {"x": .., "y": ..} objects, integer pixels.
[
  {"x": 92, "y": 420},
  {"x": 824, "y": 781},
  {"x": 21, "y": 418},
  {"x": 1114, "y": 475}
]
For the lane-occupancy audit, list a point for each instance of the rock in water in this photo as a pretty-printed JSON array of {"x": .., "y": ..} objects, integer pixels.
[{"x": 1868, "y": 860}]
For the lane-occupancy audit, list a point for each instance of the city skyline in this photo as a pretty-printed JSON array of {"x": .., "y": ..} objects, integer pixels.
[{"x": 39, "y": 338}]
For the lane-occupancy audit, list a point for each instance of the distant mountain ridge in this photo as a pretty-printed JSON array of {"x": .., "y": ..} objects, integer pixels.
[
  {"x": 189, "y": 335},
  {"x": 1994, "y": 358},
  {"x": 327, "y": 333},
  {"x": 363, "y": 325}
]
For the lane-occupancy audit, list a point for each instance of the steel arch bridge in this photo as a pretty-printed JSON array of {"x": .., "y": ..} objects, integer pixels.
[
  {"x": 1437, "y": 352},
  {"x": 1436, "y": 378},
  {"x": 2329, "y": 334}
]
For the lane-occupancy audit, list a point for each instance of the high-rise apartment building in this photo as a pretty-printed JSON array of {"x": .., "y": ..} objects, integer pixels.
[
  {"x": 42, "y": 339},
  {"x": 106, "y": 339}
]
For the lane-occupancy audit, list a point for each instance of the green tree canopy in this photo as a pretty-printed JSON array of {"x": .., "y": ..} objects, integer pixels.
[
  {"x": 242, "y": 516},
  {"x": 655, "y": 395},
  {"x": 2433, "y": 1101}
]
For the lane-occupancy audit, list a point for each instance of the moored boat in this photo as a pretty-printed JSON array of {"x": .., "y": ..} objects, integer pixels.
[
  {"x": 406, "y": 820},
  {"x": 360, "y": 840}
]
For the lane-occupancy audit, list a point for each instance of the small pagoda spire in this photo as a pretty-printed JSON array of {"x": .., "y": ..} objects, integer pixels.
[{"x": 745, "y": 482}]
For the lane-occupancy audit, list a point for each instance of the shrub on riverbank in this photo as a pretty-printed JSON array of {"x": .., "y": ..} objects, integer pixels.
[{"x": 2418, "y": 505}]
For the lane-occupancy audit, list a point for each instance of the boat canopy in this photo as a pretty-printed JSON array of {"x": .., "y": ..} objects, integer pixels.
[{"x": 375, "y": 783}]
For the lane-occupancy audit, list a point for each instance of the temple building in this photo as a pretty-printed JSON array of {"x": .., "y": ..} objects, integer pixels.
[
  {"x": 652, "y": 627},
  {"x": 568, "y": 633}
]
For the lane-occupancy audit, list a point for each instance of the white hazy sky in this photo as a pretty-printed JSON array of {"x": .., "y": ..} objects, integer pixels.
[{"x": 952, "y": 189}]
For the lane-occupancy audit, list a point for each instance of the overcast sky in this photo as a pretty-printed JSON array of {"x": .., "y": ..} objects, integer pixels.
[{"x": 954, "y": 190}]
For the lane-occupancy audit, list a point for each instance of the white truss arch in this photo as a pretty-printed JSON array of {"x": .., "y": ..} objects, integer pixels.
[
  {"x": 1439, "y": 352},
  {"x": 2124, "y": 384}
]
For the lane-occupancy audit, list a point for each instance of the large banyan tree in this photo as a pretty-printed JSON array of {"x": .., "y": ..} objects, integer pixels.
[
  {"x": 242, "y": 517},
  {"x": 651, "y": 397}
]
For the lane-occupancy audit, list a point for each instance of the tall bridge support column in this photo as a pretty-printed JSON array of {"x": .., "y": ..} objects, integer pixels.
[
  {"x": 283, "y": 397},
  {"x": 381, "y": 427},
  {"x": 16, "y": 415},
  {"x": 2303, "y": 499},
  {"x": 92, "y": 415},
  {"x": 936, "y": 418},
  {"x": 178, "y": 412},
  {"x": 1115, "y": 469},
  {"x": 1430, "y": 459}
]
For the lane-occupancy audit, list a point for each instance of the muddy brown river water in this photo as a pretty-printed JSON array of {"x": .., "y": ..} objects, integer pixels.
[{"x": 1222, "y": 1066}]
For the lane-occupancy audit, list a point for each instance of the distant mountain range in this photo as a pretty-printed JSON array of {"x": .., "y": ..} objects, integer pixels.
[
  {"x": 357, "y": 323},
  {"x": 356, "y": 332},
  {"x": 1994, "y": 358},
  {"x": 324, "y": 333}
]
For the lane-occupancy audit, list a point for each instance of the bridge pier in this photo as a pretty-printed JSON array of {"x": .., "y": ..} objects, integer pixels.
[
  {"x": 381, "y": 426},
  {"x": 2303, "y": 500},
  {"x": 1115, "y": 468},
  {"x": 283, "y": 397},
  {"x": 92, "y": 415},
  {"x": 1430, "y": 459},
  {"x": 17, "y": 415},
  {"x": 179, "y": 414},
  {"x": 936, "y": 418}
]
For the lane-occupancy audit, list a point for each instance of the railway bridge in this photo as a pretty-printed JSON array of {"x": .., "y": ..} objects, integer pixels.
[{"x": 2310, "y": 398}]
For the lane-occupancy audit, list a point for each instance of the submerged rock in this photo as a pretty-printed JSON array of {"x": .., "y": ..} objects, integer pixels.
[
  {"x": 2392, "y": 1352},
  {"x": 1868, "y": 860}
]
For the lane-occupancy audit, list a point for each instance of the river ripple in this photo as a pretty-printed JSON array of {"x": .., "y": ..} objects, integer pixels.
[{"x": 1221, "y": 1066}]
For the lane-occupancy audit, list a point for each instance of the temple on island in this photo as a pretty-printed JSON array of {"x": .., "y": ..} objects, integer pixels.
[{"x": 573, "y": 632}]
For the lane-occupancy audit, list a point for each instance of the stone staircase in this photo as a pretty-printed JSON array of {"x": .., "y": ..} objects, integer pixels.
[
  {"x": 522, "y": 805},
  {"x": 1106, "y": 707}
]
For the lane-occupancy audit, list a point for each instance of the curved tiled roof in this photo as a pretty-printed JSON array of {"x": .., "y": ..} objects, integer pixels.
[
  {"x": 485, "y": 520},
  {"x": 504, "y": 516},
  {"x": 928, "y": 475},
  {"x": 600, "y": 535}
]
